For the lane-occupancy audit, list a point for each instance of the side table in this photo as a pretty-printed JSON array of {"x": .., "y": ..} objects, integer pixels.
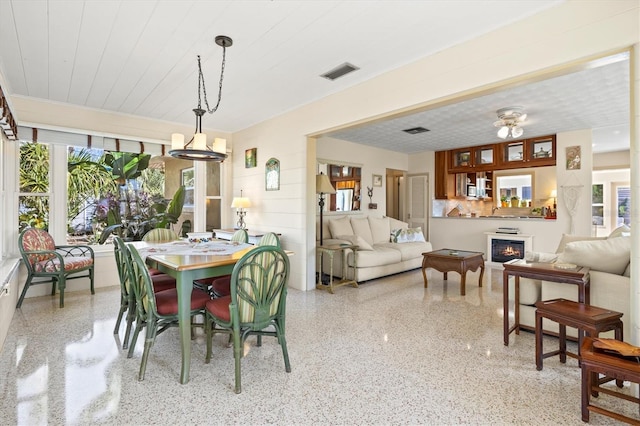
[
  {"x": 331, "y": 251},
  {"x": 538, "y": 271}
]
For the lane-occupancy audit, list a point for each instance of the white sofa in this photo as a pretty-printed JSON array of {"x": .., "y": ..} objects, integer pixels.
[
  {"x": 376, "y": 255},
  {"x": 609, "y": 260}
]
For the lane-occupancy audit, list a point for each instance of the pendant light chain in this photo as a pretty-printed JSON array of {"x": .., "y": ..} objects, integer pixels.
[{"x": 204, "y": 89}]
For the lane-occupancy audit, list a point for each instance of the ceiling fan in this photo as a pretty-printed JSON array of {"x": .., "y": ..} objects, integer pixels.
[{"x": 510, "y": 119}]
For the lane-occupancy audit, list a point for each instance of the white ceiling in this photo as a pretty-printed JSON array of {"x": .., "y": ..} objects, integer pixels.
[{"x": 138, "y": 57}]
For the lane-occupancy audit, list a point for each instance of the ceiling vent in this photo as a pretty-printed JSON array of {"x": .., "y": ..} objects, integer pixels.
[
  {"x": 339, "y": 71},
  {"x": 416, "y": 130}
]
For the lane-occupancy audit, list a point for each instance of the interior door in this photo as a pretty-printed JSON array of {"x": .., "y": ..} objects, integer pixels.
[{"x": 418, "y": 203}]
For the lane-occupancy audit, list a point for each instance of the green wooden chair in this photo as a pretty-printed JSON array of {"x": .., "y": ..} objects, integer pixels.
[
  {"x": 55, "y": 264},
  {"x": 160, "y": 235},
  {"x": 157, "y": 311},
  {"x": 256, "y": 304},
  {"x": 219, "y": 286}
]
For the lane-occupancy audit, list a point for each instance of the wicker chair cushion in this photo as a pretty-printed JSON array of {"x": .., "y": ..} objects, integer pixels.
[
  {"x": 221, "y": 286},
  {"x": 70, "y": 264},
  {"x": 163, "y": 282},
  {"x": 167, "y": 301},
  {"x": 219, "y": 308},
  {"x": 37, "y": 239}
]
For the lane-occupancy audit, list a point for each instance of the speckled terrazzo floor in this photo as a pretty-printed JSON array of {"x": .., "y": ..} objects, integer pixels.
[{"x": 389, "y": 352}]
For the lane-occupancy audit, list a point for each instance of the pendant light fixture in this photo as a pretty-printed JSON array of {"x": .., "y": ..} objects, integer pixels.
[{"x": 197, "y": 149}]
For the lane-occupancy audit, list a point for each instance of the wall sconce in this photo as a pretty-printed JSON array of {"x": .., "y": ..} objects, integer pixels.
[{"x": 241, "y": 203}]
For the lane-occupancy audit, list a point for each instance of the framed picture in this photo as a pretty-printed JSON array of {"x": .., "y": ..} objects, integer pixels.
[
  {"x": 377, "y": 180},
  {"x": 272, "y": 175},
  {"x": 250, "y": 158},
  {"x": 573, "y": 157},
  {"x": 187, "y": 179}
]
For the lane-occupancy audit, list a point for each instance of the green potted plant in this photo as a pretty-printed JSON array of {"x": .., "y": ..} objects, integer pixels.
[
  {"x": 515, "y": 201},
  {"x": 504, "y": 201}
]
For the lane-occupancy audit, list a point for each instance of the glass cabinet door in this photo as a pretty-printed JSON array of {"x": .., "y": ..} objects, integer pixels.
[
  {"x": 485, "y": 157},
  {"x": 461, "y": 159},
  {"x": 514, "y": 152}
]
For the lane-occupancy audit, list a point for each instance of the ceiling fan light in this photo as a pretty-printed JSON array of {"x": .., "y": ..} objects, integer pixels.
[
  {"x": 503, "y": 132},
  {"x": 516, "y": 131}
]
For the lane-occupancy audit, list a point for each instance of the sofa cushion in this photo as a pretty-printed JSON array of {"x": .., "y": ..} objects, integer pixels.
[
  {"x": 397, "y": 224},
  {"x": 566, "y": 239},
  {"x": 340, "y": 226},
  {"x": 379, "y": 257},
  {"x": 380, "y": 229},
  {"x": 407, "y": 251},
  {"x": 356, "y": 240},
  {"x": 407, "y": 235},
  {"x": 530, "y": 291},
  {"x": 362, "y": 229},
  {"x": 610, "y": 255}
]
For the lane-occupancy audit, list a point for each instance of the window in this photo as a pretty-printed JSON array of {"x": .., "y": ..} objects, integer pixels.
[
  {"x": 33, "y": 186},
  {"x": 514, "y": 186},
  {"x": 623, "y": 198}
]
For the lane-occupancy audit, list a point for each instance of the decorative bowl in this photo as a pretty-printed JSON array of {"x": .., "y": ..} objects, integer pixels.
[{"x": 200, "y": 237}]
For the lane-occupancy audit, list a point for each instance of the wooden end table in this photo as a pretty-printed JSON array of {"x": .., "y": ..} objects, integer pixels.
[
  {"x": 331, "y": 251},
  {"x": 449, "y": 260},
  {"x": 595, "y": 362},
  {"x": 586, "y": 318},
  {"x": 538, "y": 271}
]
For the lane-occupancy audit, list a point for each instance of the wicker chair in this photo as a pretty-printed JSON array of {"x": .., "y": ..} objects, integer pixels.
[
  {"x": 256, "y": 304},
  {"x": 55, "y": 263}
]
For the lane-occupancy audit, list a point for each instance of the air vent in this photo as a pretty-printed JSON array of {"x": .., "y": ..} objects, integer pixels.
[
  {"x": 339, "y": 71},
  {"x": 416, "y": 130}
]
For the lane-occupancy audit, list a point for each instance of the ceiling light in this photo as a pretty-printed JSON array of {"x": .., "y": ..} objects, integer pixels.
[
  {"x": 509, "y": 122},
  {"x": 197, "y": 148}
]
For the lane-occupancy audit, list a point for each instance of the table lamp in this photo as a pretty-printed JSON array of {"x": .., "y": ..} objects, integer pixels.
[
  {"x": 323, "y": 186},
  {"x": 554, "y": 195},
  {"x": 241, "y": 203}
]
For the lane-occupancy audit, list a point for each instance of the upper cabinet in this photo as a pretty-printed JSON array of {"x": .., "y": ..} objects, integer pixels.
[
  {"x": 475, "y": 158},
  {"x": 532, "y": 152}
]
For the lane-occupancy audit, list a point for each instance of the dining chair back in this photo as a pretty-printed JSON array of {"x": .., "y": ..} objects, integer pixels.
[
  {"x": 55, "y": 264},
  {"x": 240, "y": 236},
  {"x": 127, "y": 297},
  {"x": 219, "y": 286},
  {"x": 256, "y": 304},
  {"x": 269, "y": 239},
  {"x": 157, "y": 311},
  {"x": 185, "y": 228},
  {"x": 160, "y": 235}
]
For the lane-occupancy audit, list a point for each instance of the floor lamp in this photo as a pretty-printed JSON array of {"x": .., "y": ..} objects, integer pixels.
[{"x": 323, "y": 186}]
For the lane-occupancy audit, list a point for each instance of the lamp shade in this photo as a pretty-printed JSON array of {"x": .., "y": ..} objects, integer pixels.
[
  {"x": 241, "y": 203},
  {"x": 323, "y": 185},
  {"x": 554, "y": 193}
]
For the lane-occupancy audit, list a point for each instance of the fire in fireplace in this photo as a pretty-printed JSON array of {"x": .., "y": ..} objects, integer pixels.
[{"x": 506, "y": 250}]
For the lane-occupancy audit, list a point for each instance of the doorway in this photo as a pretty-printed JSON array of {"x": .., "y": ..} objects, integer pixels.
[{"x": 395, "y": 194}]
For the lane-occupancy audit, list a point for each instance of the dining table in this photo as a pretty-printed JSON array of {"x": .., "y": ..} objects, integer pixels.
[{"x": 186, "y": 261}]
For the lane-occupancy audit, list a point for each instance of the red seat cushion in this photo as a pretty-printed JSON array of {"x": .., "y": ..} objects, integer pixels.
[
  {"x": 221, "y": 286},
  {"x": 167, "y": 301},
  {"x": 162, "y": 282},
  {"x": 154, "y": 271},
  {"x": 219, "y": 308}
]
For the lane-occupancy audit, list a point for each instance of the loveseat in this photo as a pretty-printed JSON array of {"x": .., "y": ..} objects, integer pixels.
[
  {"x": 385, "y": 245},
  {"x": 609, "y": 260}
]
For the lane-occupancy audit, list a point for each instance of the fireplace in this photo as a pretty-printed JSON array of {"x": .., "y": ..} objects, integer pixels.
[
  {"x": 505, "y": 247},
  {"x": 506, "y": 250}
]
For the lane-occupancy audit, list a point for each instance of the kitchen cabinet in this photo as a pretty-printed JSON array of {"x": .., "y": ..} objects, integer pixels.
[
  {"x": 534, "y": 152},
  {"x": 473, "y": 159},
  {"x": 442, "y": 179}
]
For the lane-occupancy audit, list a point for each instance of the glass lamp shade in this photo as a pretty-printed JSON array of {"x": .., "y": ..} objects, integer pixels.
[
  {"x": 516, "y": 131},
  {"x": 323, "y": 185},
  {"x": 177, "y": 141},
  {"x": 503, "y": 132},
  {"x": 241, "y": 203}
]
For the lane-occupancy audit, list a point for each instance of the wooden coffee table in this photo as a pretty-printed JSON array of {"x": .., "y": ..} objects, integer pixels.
[
  {"x": 538, "y": 271},
  {"x": 449, "y": 260}
]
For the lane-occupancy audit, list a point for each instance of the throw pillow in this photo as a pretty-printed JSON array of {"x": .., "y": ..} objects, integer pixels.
[
  {"x": 535, "y": 256},
  {"x": 621, "y": 231},
  {"x": 610, "y": 255},
  {"x": 356, "y": 240},
  {"x": 380, "y": 229},
  {"x": 340, "y": 226},
  {"x": 566, "y": 239},
  {"x": 408, "y": 235},
  {"x": 361, "y": 228}
]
